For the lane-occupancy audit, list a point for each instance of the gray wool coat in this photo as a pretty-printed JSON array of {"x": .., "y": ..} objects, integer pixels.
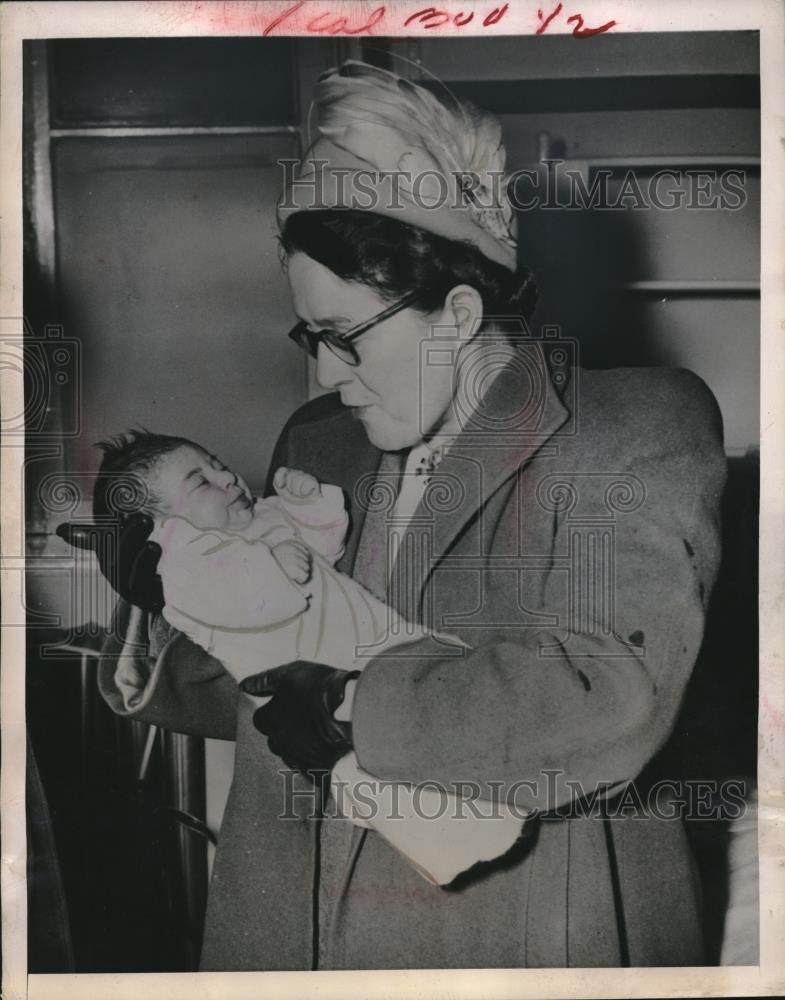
[{"x": 571, "y": 540}]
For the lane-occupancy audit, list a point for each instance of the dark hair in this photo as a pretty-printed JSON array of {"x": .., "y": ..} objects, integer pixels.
[
  {"x": 121, "y": 486},
  {"x": 395, "y": 258}
]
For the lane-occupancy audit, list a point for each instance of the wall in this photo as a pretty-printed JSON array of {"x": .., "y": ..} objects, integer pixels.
[{"x": 170, "y": 277}]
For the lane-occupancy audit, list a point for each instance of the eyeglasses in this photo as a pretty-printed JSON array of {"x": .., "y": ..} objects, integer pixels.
[{"x": 342, "y": 344}]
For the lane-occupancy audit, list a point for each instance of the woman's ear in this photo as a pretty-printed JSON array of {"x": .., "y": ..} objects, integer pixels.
[{"x": 463, "y": 310}]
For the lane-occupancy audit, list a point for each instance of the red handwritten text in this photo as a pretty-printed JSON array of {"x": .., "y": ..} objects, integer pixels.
[
  {"x": 323, "y": 17},
  {"x": 327, "y": 23},
  {"x": 577, "y": 19},
  {"x": 580, "y": 32},
  {"x": 437, "y": 17},
  {"x": 544, "y": 25}
]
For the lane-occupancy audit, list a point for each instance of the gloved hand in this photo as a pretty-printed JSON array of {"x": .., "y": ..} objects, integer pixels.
[
  {"x": 130, "y": 564},
  {"x": 298, "y": 721}
]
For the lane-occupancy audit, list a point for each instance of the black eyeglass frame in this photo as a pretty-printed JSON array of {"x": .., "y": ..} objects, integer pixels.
[{"x": 309, "y": 340}]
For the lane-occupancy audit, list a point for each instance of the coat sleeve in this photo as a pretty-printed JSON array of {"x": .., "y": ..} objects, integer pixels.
[
  {"x": 532, "y": 709},
  {"x": 150, "y": 672}
]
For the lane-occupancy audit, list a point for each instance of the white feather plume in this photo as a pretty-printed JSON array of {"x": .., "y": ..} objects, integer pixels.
[{"x": 382, "y": 119}]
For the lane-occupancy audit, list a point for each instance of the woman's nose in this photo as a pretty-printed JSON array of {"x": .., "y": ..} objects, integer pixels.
[{"x": 331, "y": 372}]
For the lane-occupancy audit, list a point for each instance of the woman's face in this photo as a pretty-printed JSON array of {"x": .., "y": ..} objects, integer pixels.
[{"x": 401, "y": 390}]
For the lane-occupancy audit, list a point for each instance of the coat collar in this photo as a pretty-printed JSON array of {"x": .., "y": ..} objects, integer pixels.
[{"x": 502, "y": 431}]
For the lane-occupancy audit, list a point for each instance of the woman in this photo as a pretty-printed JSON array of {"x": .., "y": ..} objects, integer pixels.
[{"x": 412, "y": 305}]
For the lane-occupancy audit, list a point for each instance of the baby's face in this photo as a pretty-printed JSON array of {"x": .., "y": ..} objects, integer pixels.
[{"x": 193, "y": 484}]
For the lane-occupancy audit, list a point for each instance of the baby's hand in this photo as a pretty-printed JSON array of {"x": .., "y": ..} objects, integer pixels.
[
  {"x": 295, "y": 484},
  {"x": 294, "y": 558}
]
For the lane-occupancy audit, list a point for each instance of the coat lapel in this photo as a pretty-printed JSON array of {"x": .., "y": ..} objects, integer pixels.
[{"x": 519, "y": 414}]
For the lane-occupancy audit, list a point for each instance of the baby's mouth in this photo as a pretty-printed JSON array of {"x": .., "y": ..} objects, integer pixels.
[{"x": 241, "y": 499}]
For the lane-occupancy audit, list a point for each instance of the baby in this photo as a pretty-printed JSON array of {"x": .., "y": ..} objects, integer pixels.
[{"x": 253, "y": 583}]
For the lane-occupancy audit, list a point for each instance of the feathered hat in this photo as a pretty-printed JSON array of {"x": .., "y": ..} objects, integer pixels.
[{"x": 388, "y": 145}]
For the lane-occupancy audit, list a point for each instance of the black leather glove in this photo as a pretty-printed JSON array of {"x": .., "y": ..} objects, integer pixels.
[
  {"x": 299, "y": 722},
  {"x": 128, "y": 561}
]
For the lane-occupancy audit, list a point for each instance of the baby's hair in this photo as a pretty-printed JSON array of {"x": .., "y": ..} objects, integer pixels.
[{"x": 121, "y": 486}]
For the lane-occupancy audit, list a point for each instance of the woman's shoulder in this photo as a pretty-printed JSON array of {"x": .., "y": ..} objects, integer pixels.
[
  {"x": 631, "y": 415},
  {"x": 320, "y": 427},
  {"x": 321, "y": 409},
  {"x": 323, "y": 438},
  {"x": 639, "y": 397}
]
